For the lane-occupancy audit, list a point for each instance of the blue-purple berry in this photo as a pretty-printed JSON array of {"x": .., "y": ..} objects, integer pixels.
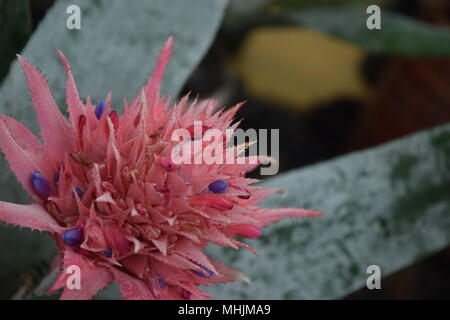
[
  {"x": 108, "y": 253},
  {"x": 99, "y": 109},
  {"x": 40, "y": 185},
  {"x": 218, "y": 186},
  {"x": 80, "y": 192},
  {"x": 208, "y": 274},
  {"x": 73, "y": 237}
]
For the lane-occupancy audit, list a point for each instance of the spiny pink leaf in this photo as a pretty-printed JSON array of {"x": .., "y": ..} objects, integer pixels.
[
  {"x": 28, "y": 216},
  {"x": 23, "y": 151},
  {"x": 55, "y": 130},
  {"x": 227, "y": 274},
  {"x": 266, "y": 216},
  {"x": 75, "y": 105},
  {"x": 108, "y": 99},
  {"x": 189, "y": 250},
  {"x": 135, "y": 264},
  {"x": 130, "y": 287},
  {"x": 154, "y": 82}
]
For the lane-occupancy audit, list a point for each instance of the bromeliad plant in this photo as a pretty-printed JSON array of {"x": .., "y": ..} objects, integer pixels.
[{"x": 118, "y": 207}]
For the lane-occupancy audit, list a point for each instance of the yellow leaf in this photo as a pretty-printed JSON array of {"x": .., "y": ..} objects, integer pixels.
[{"x": 298, "y": 67}]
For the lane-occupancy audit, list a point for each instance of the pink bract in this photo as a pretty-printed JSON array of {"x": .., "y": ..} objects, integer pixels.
[{"x": 144, "y": 221}]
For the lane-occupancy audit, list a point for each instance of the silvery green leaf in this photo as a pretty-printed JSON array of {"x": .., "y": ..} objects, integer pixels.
[
  {"x": 387, "y": 206},
  {"x": 399, "y": 34}
]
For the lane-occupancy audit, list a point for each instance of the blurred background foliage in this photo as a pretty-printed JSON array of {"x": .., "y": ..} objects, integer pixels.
[{"x": 313, "y": 69}]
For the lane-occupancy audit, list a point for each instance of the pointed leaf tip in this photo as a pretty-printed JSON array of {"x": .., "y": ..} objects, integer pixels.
[
  {"x": 55, "y": 129},
  {"x": 63, "y": 59},
  {"x": 169, "y": 43},
  {"x": 153, "y": 84},
  {"x": 73, "y": 101}
]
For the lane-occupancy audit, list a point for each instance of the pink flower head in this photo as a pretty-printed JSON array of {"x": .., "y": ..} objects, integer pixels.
[{"x": 119, "y": 208}]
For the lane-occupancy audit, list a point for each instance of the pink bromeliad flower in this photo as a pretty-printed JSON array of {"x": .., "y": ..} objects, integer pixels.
[{"x": 118, "y": 207}]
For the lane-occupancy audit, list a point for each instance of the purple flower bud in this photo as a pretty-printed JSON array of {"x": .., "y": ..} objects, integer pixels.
[
  {"x": 108, "y": 253},
  {"x": 73, "y": 237},
  {"x": 99, "y": 108},
  {"x": 218, "y": 186},
  {"x": 40, "y": 185},
  {"x": 80, "y": 192},
  {"x": 208, "y": 274}
]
